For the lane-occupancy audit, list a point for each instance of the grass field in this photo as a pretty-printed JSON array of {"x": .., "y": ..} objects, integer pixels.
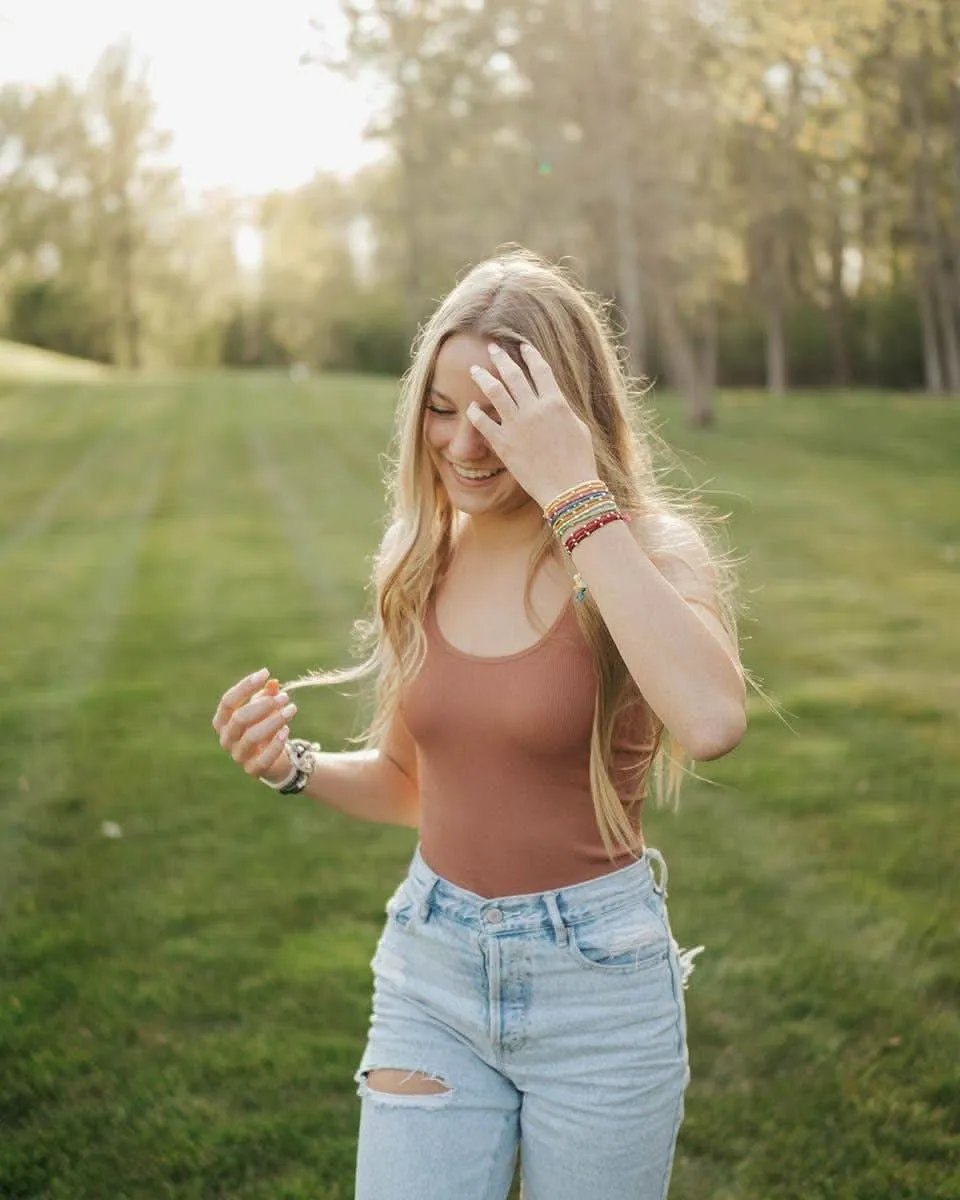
[{"x": 182, "y": 1007}]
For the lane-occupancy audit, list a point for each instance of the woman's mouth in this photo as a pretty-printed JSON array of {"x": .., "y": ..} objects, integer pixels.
[{"x": 472, "y": 475}]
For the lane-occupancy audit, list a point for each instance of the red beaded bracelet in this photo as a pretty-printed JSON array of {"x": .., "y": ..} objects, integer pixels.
[{"x": 584, "y": 531}]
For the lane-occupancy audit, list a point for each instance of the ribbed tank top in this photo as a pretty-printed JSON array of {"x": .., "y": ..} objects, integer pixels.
[{"x": 503, "y": 754}]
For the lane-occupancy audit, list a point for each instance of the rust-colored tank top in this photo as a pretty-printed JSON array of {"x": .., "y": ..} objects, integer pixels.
[{"x": 503, "y": 752}]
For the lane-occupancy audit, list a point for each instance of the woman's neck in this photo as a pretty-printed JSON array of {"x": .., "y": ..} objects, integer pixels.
[{"x": 499, "y": 534}]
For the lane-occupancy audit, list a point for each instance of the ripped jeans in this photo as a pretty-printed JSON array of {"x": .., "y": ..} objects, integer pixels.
[{"x": 555, "y": 1024}]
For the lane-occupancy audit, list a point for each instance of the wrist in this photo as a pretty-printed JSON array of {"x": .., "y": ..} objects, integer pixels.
[
  {"x": 280, "y": 773},
  {"x": 300, "y": 763},
  {"x": 578, "y": 512},
  {"x": 550, "y": 497}
]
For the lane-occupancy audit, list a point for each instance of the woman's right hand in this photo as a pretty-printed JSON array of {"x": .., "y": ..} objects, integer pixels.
[{"x": 252, "y": 723}]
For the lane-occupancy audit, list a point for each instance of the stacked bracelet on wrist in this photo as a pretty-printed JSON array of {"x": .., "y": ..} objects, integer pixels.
[
  {"x": 301, "y": 753},
  {"x": 578, "y": 512}
]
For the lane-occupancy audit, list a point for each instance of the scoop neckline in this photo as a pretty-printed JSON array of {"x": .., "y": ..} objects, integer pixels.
[{"x": 496, "y": 658}]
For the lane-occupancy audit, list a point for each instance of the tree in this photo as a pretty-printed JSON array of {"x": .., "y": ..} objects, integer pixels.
[{"x": 135, "y": 195}]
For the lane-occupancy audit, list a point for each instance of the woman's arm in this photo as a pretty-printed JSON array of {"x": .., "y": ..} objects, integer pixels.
[
  {"x": 372, "y": 785},
  {"x": 364, "y": 784},
  {"x": 676, "y": 649}
]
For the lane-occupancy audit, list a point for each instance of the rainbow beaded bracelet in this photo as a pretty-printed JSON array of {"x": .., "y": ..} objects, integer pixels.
[
  {"x": 576, "y": 492},
  {"x": 578, "y": 512},
  {"x": 566, "y": 525}
]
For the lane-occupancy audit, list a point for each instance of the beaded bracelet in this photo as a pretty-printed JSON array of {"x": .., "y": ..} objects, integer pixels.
[
  {"x": 583, "y": 516},
  {"x": 574, "y": 540},
  {"x": 301, "y": 753},
  {"x": 578, "y": 512},
  {"x": 578, "y": 502},
  {"x": 578, "y": 490},
  {"x": 587, "y": 501},
  {"x": 559, "y": 511}
]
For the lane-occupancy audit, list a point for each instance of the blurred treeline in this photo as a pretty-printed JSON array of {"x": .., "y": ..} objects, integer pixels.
[{"x": 769, "y": 189}]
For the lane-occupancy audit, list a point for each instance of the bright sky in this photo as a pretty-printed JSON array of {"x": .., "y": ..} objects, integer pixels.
[{"x": 226, "y": 80}]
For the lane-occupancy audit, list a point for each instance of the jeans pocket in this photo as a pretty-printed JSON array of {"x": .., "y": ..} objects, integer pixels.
[{"x": 632, "y": 937}]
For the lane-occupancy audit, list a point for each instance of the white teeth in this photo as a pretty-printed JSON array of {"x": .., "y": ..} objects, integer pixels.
[{"x": 476, "y": 474}]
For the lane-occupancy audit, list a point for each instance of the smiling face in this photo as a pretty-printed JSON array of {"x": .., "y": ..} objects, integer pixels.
[{"x": 475, "y": 479}]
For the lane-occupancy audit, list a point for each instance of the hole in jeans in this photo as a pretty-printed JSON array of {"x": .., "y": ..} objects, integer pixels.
[{"x": 394, "y": 1082}]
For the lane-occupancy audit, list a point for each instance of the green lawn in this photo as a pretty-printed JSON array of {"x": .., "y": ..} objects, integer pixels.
[{"x": 182, "y": 1008}]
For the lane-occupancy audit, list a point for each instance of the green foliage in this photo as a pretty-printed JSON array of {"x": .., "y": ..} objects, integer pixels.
[
  {"x": 883, "y": 334},
  {"x": 182, "y": 1007},
  {"x": 887, "y": 342},
  {"x": 249, "y": 339},
  {"x": 362, "y": 332},
  {"x": 371, "y": 336},
  {"x": 58, "y": 316},
  {"x": 741, "y": 348}
]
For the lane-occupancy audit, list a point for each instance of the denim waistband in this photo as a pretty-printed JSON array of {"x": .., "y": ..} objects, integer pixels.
[{"x": 431, "y": 893}]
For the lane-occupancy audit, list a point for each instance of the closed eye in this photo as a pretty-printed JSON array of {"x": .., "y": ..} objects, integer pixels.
[{"x": 452, "y": 412}]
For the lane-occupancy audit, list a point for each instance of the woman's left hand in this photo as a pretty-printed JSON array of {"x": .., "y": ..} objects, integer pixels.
[{"x": 541, "y": 441}]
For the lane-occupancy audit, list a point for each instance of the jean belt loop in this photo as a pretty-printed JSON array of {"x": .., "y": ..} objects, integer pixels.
[
  {"x": 423, "y": 908},
  {"x": 556, "y": 920},
  {"x": 652, "y": 853}
]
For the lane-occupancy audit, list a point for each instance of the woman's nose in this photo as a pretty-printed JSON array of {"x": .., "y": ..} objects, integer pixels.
[{"x": 468, "y": 442}]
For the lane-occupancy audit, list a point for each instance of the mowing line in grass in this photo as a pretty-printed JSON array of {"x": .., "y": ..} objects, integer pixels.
[
  {"x": 40, "y": 766},
  {"x": 311, "y": 509},
  {"x": 36, "y": 521},
  {"x": 63, "y": 441}
]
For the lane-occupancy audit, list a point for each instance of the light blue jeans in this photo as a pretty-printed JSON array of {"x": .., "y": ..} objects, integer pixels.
[{"x": 556, "y": 1023}]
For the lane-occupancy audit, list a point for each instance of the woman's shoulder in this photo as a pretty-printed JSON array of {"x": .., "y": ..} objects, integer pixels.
[
  {"x": 677, "y": 548},
  {"x": 666, "y": 534}
]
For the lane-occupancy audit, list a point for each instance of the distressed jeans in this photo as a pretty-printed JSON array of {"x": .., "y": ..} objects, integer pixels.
[{"x": 554, "y": 1021}]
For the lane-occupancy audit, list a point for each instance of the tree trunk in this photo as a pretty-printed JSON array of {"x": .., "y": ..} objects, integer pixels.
[
  {"x": 129, "y": 319},
  {"x": 776, "y": 348},
  {"x": 932, "y": 251},
  {"x": 838, "y": 308},
  {"x": 628, "y": 278},
  {"x": 948, "y": 325},
  {"x": 773, "y": 293},
  {"x": 408, "y": 144},
  {"x": 933, "y": 375},
  {"x": 702, "y": 409},
  {"x": 953, "y": 103},
  {"x": 619, "y": 173},
  {"x": 683, "y": 364},
  {"x": 711, "y": 347}
]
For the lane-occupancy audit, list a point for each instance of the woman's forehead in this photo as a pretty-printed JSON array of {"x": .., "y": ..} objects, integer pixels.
[{"x": 462, "y": 351}]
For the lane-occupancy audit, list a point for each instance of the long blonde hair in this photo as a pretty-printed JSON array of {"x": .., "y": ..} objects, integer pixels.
[{"x": 510, "y": 298}]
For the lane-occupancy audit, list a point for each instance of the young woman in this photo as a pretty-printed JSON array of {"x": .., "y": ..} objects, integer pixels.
[{"x": 551, "y": 628}]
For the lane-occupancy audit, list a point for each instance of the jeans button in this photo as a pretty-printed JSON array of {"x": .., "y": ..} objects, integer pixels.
[{"x": 493, "y": 916}]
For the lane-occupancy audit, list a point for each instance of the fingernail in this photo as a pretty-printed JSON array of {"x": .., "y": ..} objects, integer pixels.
[
  {"x": 257, "y": 676},
  {"x": 493, "y": 348},
  {"x": 475, "y": 370},
  {"x": 281, "y": 698},
  {"x": 289, "y": 711},
  {"x": 283, "y": 734}
]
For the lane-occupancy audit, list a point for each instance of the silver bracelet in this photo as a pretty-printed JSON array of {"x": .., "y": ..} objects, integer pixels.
[{"x": 301, "y": 753}]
